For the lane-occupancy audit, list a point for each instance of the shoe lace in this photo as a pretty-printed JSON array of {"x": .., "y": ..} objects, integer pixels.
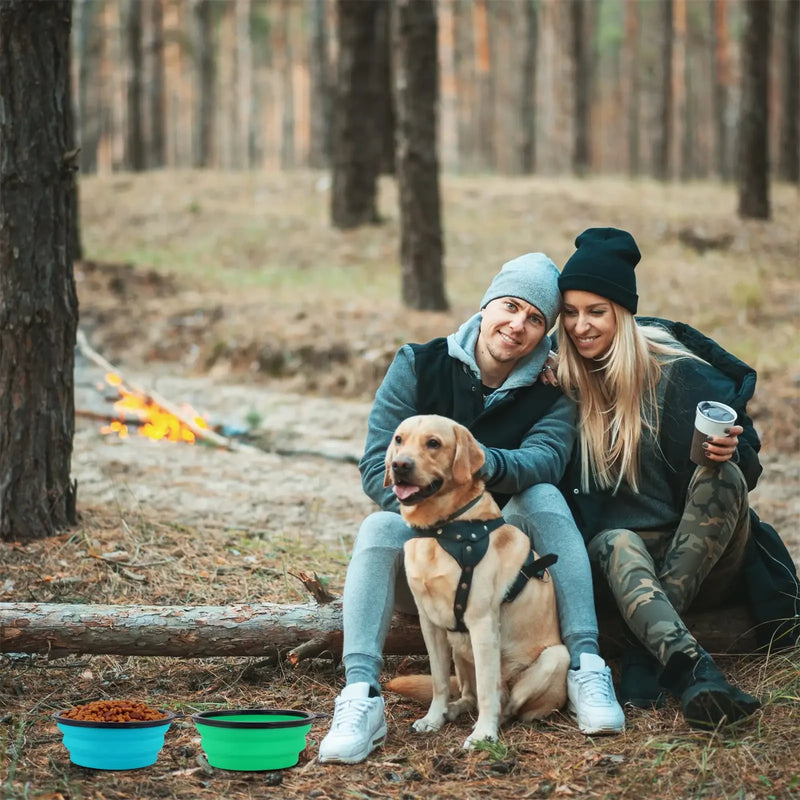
[
  {"x": 349, "y": 715},
  {"x": 596, "y": 687}
]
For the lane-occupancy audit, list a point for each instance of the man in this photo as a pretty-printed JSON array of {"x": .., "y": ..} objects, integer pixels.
[{"x": 485, "y": 376}]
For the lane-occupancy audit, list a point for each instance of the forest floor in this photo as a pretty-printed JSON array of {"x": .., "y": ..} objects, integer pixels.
[{"x": 230, "y": 293}]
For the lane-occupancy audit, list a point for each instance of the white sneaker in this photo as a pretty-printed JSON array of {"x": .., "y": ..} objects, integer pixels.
[
  {"x": 358, "y": 727},
  {"x": 591, "y": 697}
]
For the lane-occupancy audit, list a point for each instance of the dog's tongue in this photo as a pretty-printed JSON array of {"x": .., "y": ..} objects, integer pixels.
[{"x": 404, "y": 490}]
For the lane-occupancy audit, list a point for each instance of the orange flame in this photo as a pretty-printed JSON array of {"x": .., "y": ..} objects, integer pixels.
[{"x": 155, "y": 421}]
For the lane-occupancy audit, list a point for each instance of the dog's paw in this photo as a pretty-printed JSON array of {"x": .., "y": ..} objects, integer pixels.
[
  {"x": 479, "y": 736},
  {"x": 428, "y": 724},
  {"x": 457, "y": 708}
]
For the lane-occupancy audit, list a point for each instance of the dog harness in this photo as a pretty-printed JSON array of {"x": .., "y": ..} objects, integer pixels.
[{"x": 467, "y": 542}]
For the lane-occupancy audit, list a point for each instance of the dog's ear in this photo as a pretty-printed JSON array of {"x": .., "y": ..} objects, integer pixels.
[
  {"x": 468, "y": 457},
  {"x": 387, "y": 476}
]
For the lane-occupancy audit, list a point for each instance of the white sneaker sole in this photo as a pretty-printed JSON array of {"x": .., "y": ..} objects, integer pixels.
[
  {"x": 609, "y": 730},
  {"x": 356, "y": 758},
  {"x": 597, "y": 730}
]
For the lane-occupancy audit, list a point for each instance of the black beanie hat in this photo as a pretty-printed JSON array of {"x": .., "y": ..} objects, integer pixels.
[{"x": 603, "y": 264}]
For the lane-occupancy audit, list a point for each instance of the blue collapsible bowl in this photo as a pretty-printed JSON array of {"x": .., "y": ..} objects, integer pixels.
[{"x": 113, "y": 745}]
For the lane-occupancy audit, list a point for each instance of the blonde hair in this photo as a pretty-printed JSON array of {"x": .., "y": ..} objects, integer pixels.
[{"x": 617, "y": 397}]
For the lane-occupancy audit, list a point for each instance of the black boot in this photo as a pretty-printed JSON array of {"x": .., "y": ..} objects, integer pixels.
[
  {"x": 707, "y": 699},
  {"x": 638, "y": 685}
]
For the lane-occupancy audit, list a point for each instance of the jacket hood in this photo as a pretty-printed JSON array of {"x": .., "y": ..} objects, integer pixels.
[
  {"x": 743, "y": 375},
  {"x": 461, "y": 346}
]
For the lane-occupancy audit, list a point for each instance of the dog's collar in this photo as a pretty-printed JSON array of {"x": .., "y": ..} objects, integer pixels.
[{"x": 463, "y": 509}]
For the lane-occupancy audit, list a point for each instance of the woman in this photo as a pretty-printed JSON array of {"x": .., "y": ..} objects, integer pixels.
[{"x": 658, "y": 527}]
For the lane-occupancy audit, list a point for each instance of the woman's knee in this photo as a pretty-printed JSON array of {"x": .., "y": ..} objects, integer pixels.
[
  {"x": 606, "y": 547},
  {"x": 723, "y": 486},
  {"x": 615, "y": 539}
]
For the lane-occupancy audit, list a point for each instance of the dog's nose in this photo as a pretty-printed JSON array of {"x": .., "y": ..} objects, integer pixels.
[{"x": 402, "y": 465}]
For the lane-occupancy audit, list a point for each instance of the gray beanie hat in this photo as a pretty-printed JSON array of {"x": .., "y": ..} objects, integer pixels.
[{"x": 532, "y": 278}]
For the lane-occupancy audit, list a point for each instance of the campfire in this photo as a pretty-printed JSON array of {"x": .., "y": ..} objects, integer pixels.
[
  {"x": 144, "y": 409},
  {"x": 151, "y": 418}
]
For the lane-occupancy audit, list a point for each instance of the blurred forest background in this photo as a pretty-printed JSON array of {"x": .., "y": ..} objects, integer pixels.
[{"x": 637, "y": 87}]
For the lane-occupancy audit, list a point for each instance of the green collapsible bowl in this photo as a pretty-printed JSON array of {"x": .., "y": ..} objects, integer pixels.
[
  {"x": 113, "y": 745},
  {"x": 253, "y": 739}
]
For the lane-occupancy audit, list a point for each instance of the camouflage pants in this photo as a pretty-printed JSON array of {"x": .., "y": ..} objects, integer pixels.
[{"x": 655, "y": 576}]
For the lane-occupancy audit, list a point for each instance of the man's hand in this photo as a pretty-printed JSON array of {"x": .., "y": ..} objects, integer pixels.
[{"x": 548, "y": 374}]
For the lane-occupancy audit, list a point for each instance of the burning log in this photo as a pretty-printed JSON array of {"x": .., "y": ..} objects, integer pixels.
[
  {"x": 158, "y": 418},
  {"x": 128, "y": 419},
  {"x": 298, "y": 631},
  {"x": 188, "y": 422}
]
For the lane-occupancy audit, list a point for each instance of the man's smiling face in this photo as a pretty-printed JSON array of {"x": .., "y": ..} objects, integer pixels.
[{"x": 510, "y": 329}]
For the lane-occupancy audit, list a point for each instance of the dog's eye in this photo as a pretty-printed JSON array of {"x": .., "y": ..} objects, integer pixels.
[
  {"x": 398, "y": 439},
  {"x": 433, "y": 444}
]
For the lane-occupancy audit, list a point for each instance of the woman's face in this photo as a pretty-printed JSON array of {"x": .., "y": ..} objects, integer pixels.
[{"x": 590, "y": 322}]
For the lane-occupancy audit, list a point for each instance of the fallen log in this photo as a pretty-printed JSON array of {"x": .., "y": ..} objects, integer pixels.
[
  {"x": 189, "y": 631},
  {"x": 297, "y": 631}
]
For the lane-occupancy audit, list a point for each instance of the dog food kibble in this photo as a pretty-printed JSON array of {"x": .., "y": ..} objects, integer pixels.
[{"x": 113, "y": 711}]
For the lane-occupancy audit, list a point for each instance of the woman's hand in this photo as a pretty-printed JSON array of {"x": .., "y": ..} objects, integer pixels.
[
  {"x": 722, "y": 448},
  {"x": 548, "y": 374}
]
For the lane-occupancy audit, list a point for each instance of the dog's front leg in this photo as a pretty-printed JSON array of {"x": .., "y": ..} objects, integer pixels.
[
  {"x": 465, "y": 676},
  {"x": 439, "y": 656},
  {"x": 485, "y": 635}
]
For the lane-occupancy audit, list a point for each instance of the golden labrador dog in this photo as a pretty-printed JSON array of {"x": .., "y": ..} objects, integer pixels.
[{"x": 508, "y": 655}]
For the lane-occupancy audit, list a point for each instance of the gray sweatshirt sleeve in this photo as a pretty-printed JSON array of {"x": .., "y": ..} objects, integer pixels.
[
  {"x": 395, "y": 400},
  {"x": 542, "y": 456}
]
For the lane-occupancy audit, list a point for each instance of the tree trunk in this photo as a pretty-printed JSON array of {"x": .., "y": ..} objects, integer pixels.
[
  {"x": 421, "y": 244},
  {"x": 71, "y": 163},
  {"x": 484, "y": 82},
  {"x": 530, "y": 48},
  {"x": 226, "y": 128},
  {"x": 86, "y": 50},
  {"x": 243, "y": 147},
  {"x": 284, "y": 47},
  {"x": 319, "y": 152},
  {"x": 662, "y": 138},
  {"x": 39, "y": 308},
  {"x": 385, "y": 114},
  {"x": 58, "y": 629},
  {"x": 789, "y": 147},
  {"x": 156, "y": 100},
  {"x": 132, "y": 59},
  {"x": 581, "y": 50},
  {"x": 356, "y": 145},
  {"x": 631, "y": 88},
  {"x": 754, "y": 114},
  {"x": 720, "y": 76},
  {"x": 205, "y": 81},
  {"x": 465, "y": 80},
  {"x": 504, "y": 45},
  {"x": 680, "y": 120}
]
